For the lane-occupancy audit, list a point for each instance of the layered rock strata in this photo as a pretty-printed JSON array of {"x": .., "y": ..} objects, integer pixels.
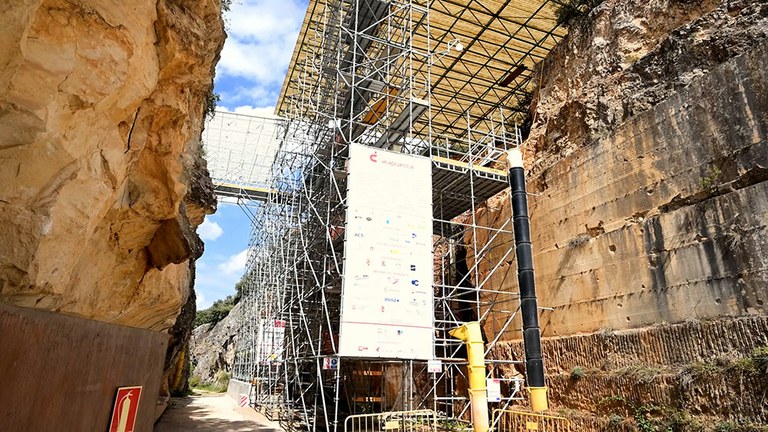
[
  {"x": 664, "y": 220},
  {"x": 692, "y": 374},
  {"x": 648, "y": 163}
]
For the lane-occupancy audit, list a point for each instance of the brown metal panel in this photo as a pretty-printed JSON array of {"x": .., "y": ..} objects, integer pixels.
[{"x": 61, "y": 373}]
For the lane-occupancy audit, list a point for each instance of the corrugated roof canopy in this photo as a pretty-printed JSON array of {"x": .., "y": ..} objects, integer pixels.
[{"x": 502, "y": 39}]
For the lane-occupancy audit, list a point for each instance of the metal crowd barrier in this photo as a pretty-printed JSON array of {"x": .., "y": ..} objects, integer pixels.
[
  {"x": 395, "y": 421},
  {"x": 517, "y": 421}
]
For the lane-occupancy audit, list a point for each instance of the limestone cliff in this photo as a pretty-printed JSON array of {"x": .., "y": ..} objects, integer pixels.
[
  {"x": 101, "y": 108},
  {"x": 648, "y": 157},
  {"x": 654, "y": 214},
  {"x": 212, "y": 346},
  {"x": 627, "y": 56},
  {"x": 102, "y": 181}
]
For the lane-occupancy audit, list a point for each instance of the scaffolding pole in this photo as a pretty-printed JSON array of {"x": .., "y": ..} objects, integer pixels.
[{"x": 363, "y": 81}]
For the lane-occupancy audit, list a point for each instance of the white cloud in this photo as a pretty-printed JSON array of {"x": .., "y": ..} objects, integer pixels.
[
  {"x": 261, "y": 38},
  {"x": 250, "y": 93},
  {"x": 260, "y": 61},
  {"x": 235, "y": 264},
  {"x": 266, "y": 19},
  {"x": 266, "y": 111},
  {"x": 201, "y": 302},
  {"x": 209, "y": 230}
]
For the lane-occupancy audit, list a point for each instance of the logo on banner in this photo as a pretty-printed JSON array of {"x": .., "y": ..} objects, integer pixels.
[{"x": 373, "y": 157}]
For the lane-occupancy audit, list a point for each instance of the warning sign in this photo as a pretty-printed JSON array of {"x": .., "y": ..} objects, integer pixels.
[
  {"x": 494, "y": 389},
  {"x": 125, "y": 409},
  {"x": 392, "y": 424},
  {"x": 331, "y": 363},
  {"x": 434, "y": 366}
]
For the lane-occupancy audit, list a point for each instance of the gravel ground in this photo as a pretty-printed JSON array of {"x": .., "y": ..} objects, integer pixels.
[{"x": 211, "y": 412}]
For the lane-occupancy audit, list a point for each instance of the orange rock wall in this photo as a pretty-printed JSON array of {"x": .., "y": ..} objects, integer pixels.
[
  {"x": 648, "y": 167},
  {"x": 661, "y": 220},
  {"x": 101, "y": 108}
]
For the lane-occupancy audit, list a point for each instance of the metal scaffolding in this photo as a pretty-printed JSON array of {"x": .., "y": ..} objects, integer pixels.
[
  {"x": 240, "y": 152},
  {"x": 364, "y": 73}
]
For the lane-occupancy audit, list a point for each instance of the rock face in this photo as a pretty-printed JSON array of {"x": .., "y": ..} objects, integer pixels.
[
  {"x": 625, "y": 57},
  {"x": 102, "y": 186},
  {"x": 212, "y": 347},
  {"x": 101, "y": 108},
  {"x": 655, "y": 213},
  {"x": 665, "y": 220},
  {"x": 649, "y": 154}
]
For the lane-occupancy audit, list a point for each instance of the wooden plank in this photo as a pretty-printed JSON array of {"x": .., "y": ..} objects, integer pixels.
[
  {"x": 375, "y": 399},
  {"x": 367, "y": 372},
  {"x": 378, "y": 108}
]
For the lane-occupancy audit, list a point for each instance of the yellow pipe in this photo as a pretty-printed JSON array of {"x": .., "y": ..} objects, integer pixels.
[
  {"x": 538, "y": 399},
  {"x": 471, "y": 334}
]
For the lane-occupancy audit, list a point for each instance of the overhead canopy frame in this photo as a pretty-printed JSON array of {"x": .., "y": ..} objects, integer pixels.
[{"x": 502, "y": 41}]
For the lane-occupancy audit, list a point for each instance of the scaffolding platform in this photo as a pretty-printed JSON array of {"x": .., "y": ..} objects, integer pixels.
[
  {"x": 456, "y": 185},
  {"x": 237, "y": 191}
]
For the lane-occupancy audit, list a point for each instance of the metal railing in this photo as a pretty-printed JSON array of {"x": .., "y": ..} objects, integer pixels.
[
  {"x": 395, "y": 421},
  {"x": 518, "y": 421}
]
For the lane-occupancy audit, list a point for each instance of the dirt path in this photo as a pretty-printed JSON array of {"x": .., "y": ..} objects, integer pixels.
[{"x": 211, "y": 412}]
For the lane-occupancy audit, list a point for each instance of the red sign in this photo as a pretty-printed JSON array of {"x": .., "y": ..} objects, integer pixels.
[{"x": 125, "y": 409}]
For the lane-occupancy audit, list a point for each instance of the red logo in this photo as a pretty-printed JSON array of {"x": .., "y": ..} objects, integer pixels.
[
  {"x": 125, "y": 409},
  {"x": 373, "y": 157}
]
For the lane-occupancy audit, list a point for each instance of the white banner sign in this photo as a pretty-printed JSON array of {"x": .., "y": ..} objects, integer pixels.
[
  {"x": 493, "y": 387},
  {"x": 387, "y": 309},
  {"x": 272, "y": 340}
]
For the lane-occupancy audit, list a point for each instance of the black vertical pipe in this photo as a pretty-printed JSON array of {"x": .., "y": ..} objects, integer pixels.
[{"x": 534, "y": 365}]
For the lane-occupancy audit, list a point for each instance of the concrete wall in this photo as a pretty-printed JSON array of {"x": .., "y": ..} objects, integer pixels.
[
  {"x": 61, "y": 373},
  {"x": 237, "y": 388}
]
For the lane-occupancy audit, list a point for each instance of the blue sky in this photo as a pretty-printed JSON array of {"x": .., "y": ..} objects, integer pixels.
[
  {"x": 261, "y": 35},
  {"x": 225, "y": 234}
]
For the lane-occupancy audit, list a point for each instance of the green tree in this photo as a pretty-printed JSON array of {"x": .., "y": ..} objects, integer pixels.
[{"x": 220, "y": 308}]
